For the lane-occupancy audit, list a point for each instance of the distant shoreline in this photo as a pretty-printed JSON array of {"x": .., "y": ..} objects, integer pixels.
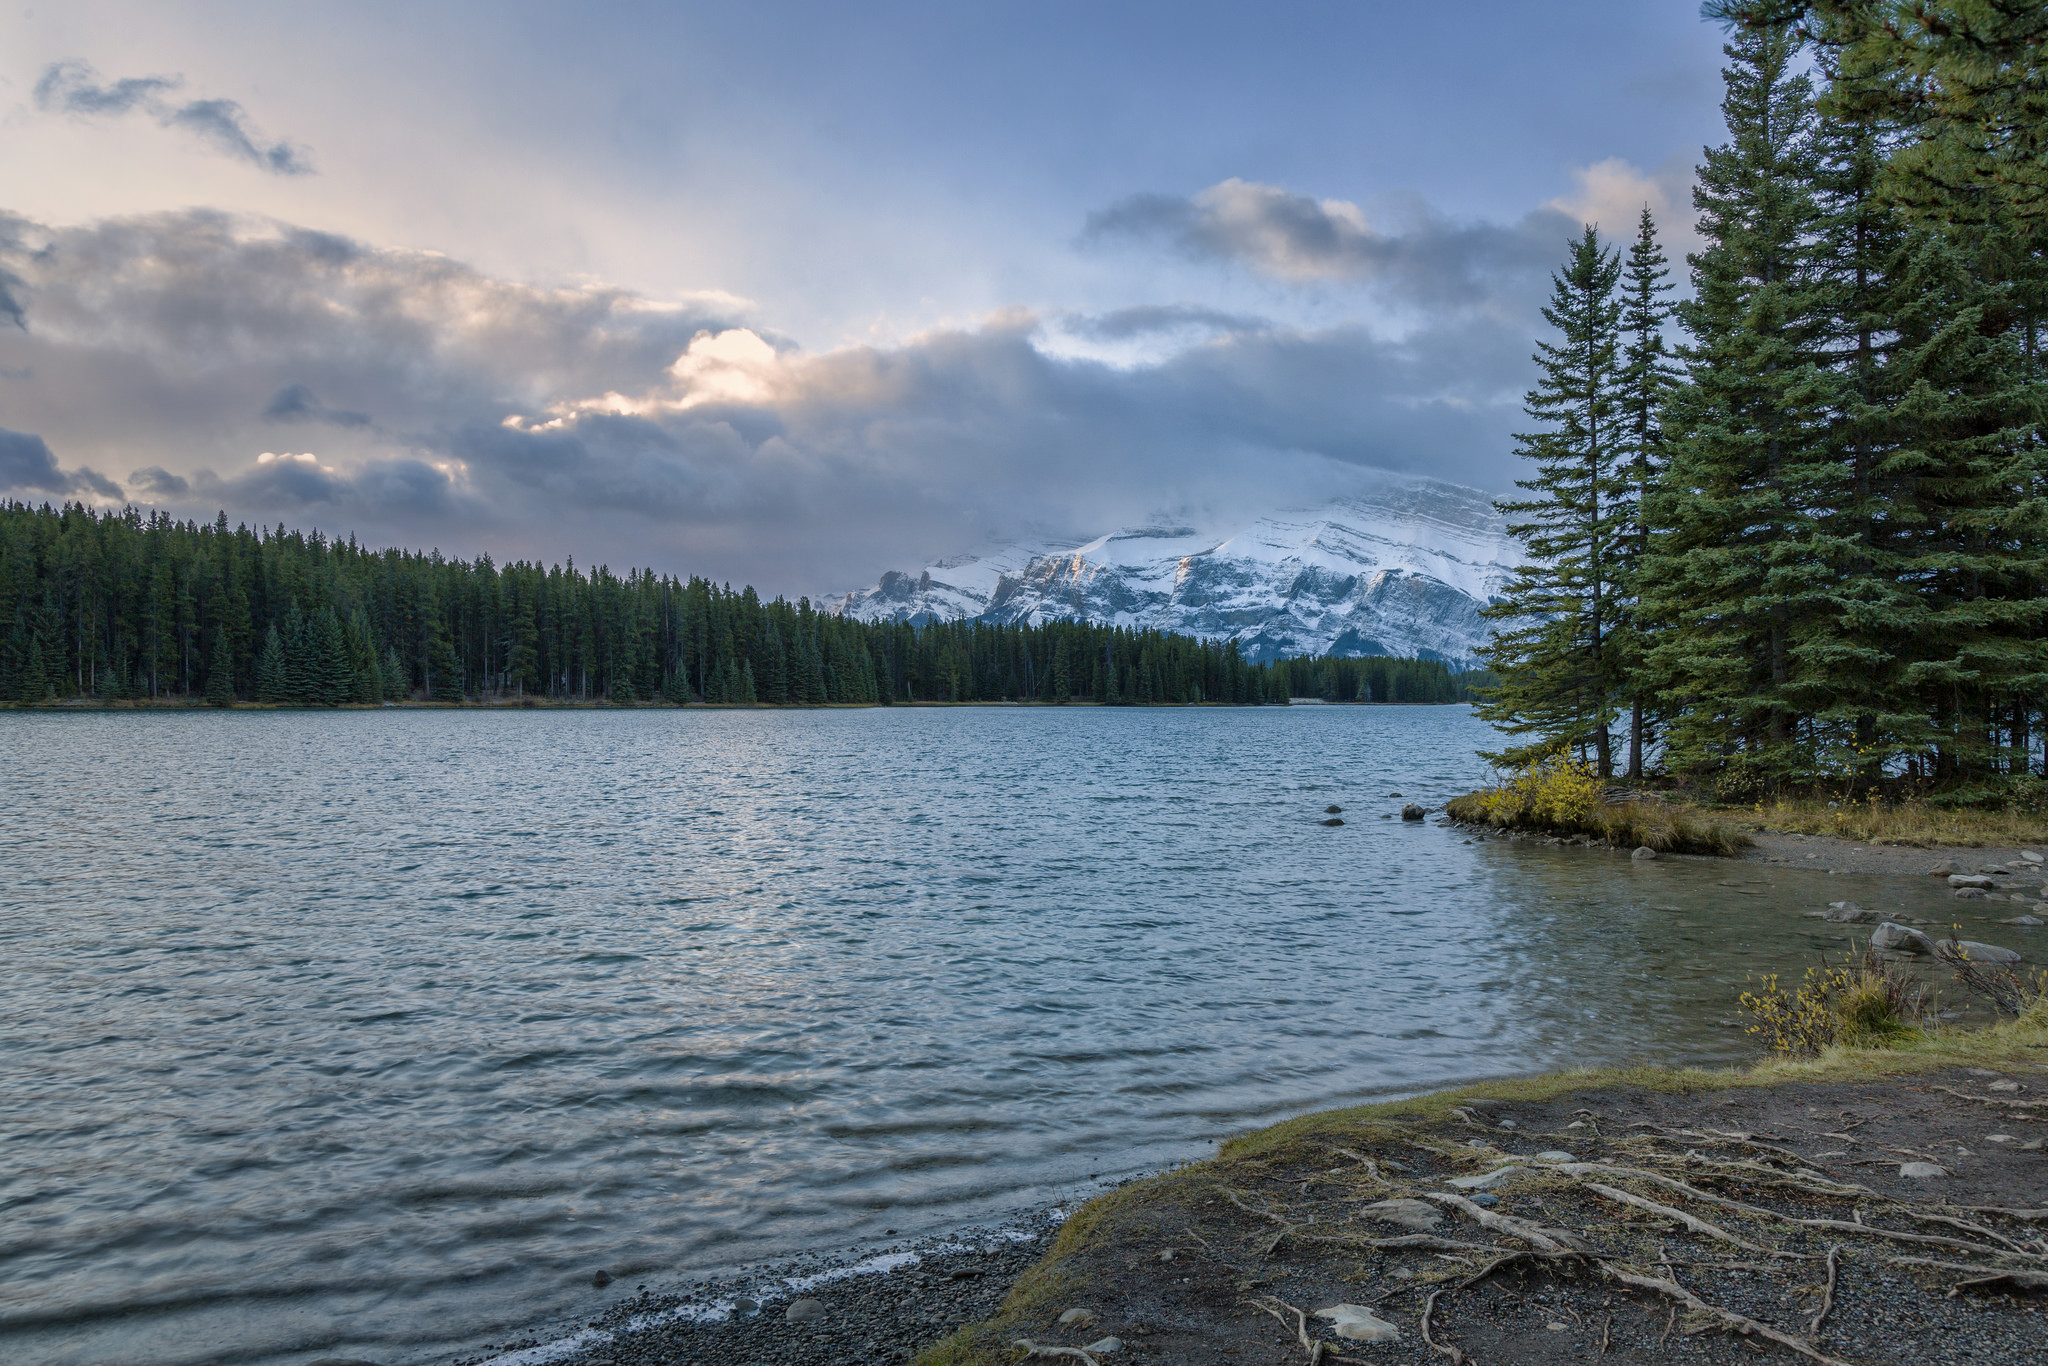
[{"x": 562, "y": 704}]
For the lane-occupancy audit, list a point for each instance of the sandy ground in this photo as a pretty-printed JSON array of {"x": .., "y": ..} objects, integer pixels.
[
  {"x": 1845, "y": 856},
  {"x": 1211, "y": 1267}
]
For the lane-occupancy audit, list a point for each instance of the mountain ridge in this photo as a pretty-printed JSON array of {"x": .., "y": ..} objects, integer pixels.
[{"x": 1401, "y": 566}]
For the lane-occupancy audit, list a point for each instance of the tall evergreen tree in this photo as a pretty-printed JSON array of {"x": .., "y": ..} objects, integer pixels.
[
  {"x": 272, "y": 685},
  {"x": 1647, "y": 376},
  {"x": 1559, "y": 672},
  {"x": 1732, "y": 566},
  {"x": 220, "y": 673}
]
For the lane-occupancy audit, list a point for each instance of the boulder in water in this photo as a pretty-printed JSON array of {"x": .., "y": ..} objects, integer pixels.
[
  {"x": 1643, "y": 854},
  {"x": 1334, "y": 820},
  {"x": 1978, "y": 953},
  {"x": 1892, "y": 937},
  {"x": 1849, "y": 913},
  {"x": 1977, "y": 880},
  {"x": 1332, "y": 810},
  {"x": 1412, "y": 812}
]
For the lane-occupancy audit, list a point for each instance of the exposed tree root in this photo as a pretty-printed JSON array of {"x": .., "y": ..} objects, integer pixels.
[
  {"x": 1699, "y": 1226},
  {"x": 2014, "y": 1281},
  {"x": 1535, "y": 1235},
  {"x": 1457, "y": 1357},
  {"x": 1827, "y": 1294},
  {"x": 1039, "y": 1349},
  {"x": 1741, "y": 1323}
]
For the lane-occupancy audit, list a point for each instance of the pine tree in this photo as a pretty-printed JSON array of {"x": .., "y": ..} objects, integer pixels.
[
  {"x": 1559, "y": 673},
  {"x": 392, "y": 674},
  {"x": 271, "y": 682},
  {"x": 34, "y": 683},
  {"x": 1733, "y": 570},
  {"x": 220, "y": 673},
  {"x": 1647, "y": 375}
]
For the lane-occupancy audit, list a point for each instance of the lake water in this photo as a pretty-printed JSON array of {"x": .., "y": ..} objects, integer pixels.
[{"x": 375, "y": 1033}]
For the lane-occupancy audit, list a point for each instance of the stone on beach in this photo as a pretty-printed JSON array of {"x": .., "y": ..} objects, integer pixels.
[
  {"x": 1944, "y": 868},
  {"x": 1496, "y": 1177},
  {"x": 1921, "y": 1171},
  {"x": 1356, "y": 1323},
  {"x": 1418, "y": 1215},
  {"x": 1084, "y": 1317},
  {"x": 1555, "y": 1155},
  {"x": 803, "y": 1311},
  {"x": 1892, "y": 937}
]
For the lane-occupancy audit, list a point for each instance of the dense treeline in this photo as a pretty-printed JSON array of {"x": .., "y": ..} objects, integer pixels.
[
  {"x": 1808, "y": 546},
  {"x": 1376, "y": 678},
  {"x": 119, "y": 605}
]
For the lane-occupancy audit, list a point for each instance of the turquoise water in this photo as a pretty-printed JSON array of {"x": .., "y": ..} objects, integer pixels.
[{"x": 375, "y": 1033}]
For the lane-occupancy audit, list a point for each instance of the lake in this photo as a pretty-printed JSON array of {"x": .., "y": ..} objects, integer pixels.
[{"x": 375, "y": 1033}]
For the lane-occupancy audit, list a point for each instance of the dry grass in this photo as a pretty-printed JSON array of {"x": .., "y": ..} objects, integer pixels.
[{"x": 1920, "y": 824}]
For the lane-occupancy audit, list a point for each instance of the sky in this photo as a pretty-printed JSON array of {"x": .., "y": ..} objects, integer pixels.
[{"x": 791, "y": 294}]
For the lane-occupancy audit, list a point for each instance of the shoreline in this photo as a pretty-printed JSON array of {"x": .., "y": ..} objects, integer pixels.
[
  {"x": 1187, "y": 1266},
  {"x": 879, "y": 1302}
]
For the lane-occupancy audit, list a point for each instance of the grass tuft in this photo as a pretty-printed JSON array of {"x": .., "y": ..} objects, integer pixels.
[{"x": 1559, "y": 796}]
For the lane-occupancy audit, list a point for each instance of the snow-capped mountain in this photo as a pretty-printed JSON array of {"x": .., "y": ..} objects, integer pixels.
[{"x": 1401, "y": 568}]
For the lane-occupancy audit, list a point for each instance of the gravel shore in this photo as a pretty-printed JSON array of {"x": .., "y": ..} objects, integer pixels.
[
  {"x": 1887, "y": 860},
  {"x": 875, "y": 1305}
]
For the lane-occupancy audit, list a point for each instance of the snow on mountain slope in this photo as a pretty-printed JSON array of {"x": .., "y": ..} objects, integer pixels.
[{"x": 1400, "y": 568}]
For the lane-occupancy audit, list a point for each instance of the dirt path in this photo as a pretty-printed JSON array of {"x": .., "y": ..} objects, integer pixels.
[{"x": 1667, "y": 1234}]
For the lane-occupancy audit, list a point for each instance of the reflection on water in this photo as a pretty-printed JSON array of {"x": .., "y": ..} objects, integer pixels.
[{"x": 375, "y": 1033}]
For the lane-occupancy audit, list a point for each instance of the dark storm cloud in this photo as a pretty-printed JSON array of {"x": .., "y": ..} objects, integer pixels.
[
  {"x": 1419, "y": 256},
  {"x": 546, "y": 421},
  {"x": 27, "y": 465},
  {"x": 298, "y": 403},
  {"x": 155, "y": 480},
  {"x": 74, "y": 88},
  {"x": 1151, "y": 319}
]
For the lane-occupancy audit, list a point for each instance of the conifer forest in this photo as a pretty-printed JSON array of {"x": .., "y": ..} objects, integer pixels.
[
  {"x": 122, "y": 606},
  {"x": 1790, "y": 532}
]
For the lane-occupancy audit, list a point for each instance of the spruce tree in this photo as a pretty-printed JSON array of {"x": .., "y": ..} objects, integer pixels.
[
  {"x": 271, "y": 683},
  {"x": 1647, "y": 375},
  {"x": 220, "y": 673},
  {"x": 1559, "y": 672},
  {"x": 1732, "y": 568}
]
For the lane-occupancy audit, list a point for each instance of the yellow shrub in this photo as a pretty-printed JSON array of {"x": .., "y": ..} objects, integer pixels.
[{"x": 1863, "y": 1006}]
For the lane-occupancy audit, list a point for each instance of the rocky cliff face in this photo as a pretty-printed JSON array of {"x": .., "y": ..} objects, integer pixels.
[{"x": 1401, "y": 569}]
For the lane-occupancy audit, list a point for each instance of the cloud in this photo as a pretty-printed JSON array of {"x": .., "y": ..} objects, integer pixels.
[
  {"x": 27, "y": 465},
  {"x": 1419, "y": 256},
  {"x": 1613, "y": 193},
  {"x": 1146, "y": 320},
  {"x": 154, "y": 479},
  {"x": 74, "y": 88},
  {"x": 298, "y": 403},
  {"x": 546, "y": 420}
]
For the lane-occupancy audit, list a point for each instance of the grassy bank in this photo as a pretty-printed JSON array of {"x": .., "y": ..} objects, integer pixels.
[
  {"x": 1105, "y": 1250},
  {"x": 1918, "y": 824},
  {"x": 1566, "y": 799}
]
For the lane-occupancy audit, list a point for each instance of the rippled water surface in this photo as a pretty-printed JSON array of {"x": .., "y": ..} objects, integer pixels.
[{"x": 375, "y": 1033}]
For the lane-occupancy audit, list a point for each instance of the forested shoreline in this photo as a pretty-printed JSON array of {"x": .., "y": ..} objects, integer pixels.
[
  {"x": 1806, "y": 548},
  {"x": 121, "y": 606}
]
